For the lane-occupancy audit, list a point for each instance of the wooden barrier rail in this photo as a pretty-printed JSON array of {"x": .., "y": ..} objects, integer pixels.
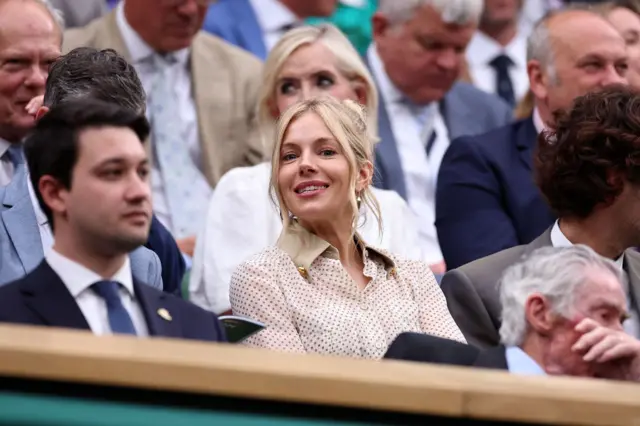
[{"x": 65, "y": 356}]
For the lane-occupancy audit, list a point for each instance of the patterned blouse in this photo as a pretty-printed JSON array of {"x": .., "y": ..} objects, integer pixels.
[{"x": 309, "y": 303}]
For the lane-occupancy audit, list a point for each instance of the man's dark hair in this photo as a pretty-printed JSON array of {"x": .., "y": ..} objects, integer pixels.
[
  {"x": 599, "y": 135},
  {"x": 86, "y": 72},
  {"x": 52, "y": 147}
]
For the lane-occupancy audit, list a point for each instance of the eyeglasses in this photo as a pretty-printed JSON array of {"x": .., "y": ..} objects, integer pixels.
[{"x": 176, "y": 3}]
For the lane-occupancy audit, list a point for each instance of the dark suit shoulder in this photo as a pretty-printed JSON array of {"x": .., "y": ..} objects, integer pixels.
[
  {"x": 427, "y": 348},
  {"x": 483, "y": 103},
  {"x": 494, "y": 140}
]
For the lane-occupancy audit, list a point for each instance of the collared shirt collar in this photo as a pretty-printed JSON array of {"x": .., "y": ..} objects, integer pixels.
[
  {"x": 519, "y": 362},
  {"x": 558, "y": 239},
  {"x": 272, "y": 15},
  {"x": 139, "y": 50},
  {"x": 4, "y": 147},
  {"x": 483, "y": 49},
  {"x": 304, "y": 247},
  {"x": 77, "y": 278},
  {"x": 537, "y": 121}
]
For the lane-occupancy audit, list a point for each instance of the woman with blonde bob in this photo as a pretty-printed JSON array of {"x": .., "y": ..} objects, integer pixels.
[
  {"x": 242, "y": 220},
  {"x": 323, "y": 288}
]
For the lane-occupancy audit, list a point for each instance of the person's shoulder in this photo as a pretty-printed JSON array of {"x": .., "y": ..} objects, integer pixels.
[
  {"x": 246, "y": 178},
  {"x": 83, "y": 36},
  {"x": 492, "y": 140},
  {"x": 268, "y": 258},
  {"x": 474, "y": 96},
  {"x": 233, "y": 56},
  {"x": 490, "y": 268}
]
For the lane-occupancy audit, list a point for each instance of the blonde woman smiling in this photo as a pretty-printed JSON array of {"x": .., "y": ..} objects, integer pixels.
[{"x": 323, "y": 288}]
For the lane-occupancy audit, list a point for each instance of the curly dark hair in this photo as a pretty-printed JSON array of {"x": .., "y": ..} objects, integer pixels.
[{"x": 594, "y": 148}]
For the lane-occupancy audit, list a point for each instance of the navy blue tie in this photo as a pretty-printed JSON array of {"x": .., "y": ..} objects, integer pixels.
[
  {"x": 119, "y": 319},
  {"x": 431, "y": 141},
  {"x": 504, "y": 85}
]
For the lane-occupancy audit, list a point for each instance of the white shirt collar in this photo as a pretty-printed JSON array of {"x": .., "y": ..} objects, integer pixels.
[
  {"x": 388, "y": 91},
  {"x": 138, "y": 49},
  {"x": 272, "y": 15},
  {"x": 78, "y": 278},
  {"x": 4, "y": 147},
  {"x": 519, "y": 362},
  {"x": 537, "y": 121},
  {"x": 558, "y": 239},
  {"x": 483, "y": 49}
]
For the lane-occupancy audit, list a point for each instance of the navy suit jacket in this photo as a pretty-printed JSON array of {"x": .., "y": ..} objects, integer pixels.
[
  {"x": 236, "y": 22},
  {"x": 466, "y": 111},
  {"x": 486, "y": 197},
  {"x": 41, "y": 298}
]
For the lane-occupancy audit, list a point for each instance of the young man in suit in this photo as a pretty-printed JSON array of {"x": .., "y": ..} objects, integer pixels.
[
  {"x": 202, "y": 94},
  {"x": 563, "y": 312},
  {"x": 88, "y": 163},
  {"x": 593, "y": 187},
  {"x": 416, "y": 59},
  {"x": 31, "y": 33},
  {"x": 486, "y": 200},
  {"x": 257, "y": 25}
]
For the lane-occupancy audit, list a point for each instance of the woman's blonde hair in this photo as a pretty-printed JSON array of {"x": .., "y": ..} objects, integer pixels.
[
  {"x": 348, "y": 63},
  {"x": 347, "y": 122}
]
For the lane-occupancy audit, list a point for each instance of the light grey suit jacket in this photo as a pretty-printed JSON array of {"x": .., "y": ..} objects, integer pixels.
[
  {"x": 472, "y": 290},
  {"x": 21, "y": 245},
  {"x": 78, "y": 13}
]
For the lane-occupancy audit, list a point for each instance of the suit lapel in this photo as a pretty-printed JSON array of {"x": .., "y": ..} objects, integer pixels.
[
  {"x": 160, "y": 319},
  {"x": 20, "y": 221},
  {"x": 49, "y": 298},
  {"x": 388, "y": 165},
  {"x": 492, "y": 358},
  {"x": 109, "y": 37},
  {"x": 526, "y": 139},
  {"x": 249, "y": 30},
  {"x": 631, "y": 264}
]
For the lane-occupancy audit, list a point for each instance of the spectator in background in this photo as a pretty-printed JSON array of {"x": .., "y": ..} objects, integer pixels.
[
  {"x": 88, "y": 163},
  {"x": 257, "y": 25},
  {"x": 497, "y": 53},
  {"x": 201, "y": 92},
  {"x": 486, "y": 199},
  {"x": 624, "y": 15},
  {"x": 589, "y": 172},
  {"x": 104, "y": 75},
  {"x": 563, "y": 310},
  {"x": 416, "y": 61},
  {"x": 80, "y": 13},
  {"x": 323, "y": 288},
  {"x": 307, "y": 62},
  {"x": 353, "y": 18}
]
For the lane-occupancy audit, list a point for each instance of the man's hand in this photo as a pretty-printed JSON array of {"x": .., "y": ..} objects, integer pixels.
[
  {"x": 34, "y": 105},
  {"x": 616, "y": 354},
  {"x": 438, "y": 268},
  {"x": 187, "y": 245}
]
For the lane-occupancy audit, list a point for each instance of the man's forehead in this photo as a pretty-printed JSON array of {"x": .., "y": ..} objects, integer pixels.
[{"x": 99, "y": 143}]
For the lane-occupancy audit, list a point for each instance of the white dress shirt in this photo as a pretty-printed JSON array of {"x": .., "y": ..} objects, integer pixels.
[
  {"x": 483, "y": 49},
  {"x": 420, "y": 170},
  {"x": 235, "y": 231},
  {"x": 142, "y": 59},
  {"x": 519, "y": 362},
  {"x": 632, "y": 325},
  {"x": 6, "y": 165},
  {"x": 79, "y": 279},
  {"x": 273, "y": 17}
]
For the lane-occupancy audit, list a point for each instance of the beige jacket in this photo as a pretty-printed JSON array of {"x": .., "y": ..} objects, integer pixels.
[{"x": 226, "y": 81}]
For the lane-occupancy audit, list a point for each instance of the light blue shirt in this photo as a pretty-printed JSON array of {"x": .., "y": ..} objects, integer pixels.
[{"x": 519, "y": 362}]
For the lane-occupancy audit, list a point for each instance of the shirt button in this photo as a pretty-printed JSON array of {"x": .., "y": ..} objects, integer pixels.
[{"x": 364, "y": 306}]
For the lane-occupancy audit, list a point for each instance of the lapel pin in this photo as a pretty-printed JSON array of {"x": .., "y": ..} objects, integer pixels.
[{"x": 164, "y": 314}]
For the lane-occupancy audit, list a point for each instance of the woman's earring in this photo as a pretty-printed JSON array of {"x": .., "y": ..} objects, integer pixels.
[{"x": 358, "y": 200}]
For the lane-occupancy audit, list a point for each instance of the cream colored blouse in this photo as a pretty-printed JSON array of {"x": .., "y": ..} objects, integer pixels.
[{"x": 309, "y": 303}]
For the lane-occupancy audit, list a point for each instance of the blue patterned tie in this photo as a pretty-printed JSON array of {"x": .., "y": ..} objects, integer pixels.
[
  {"x": 185, "y": 187},
  {"x": 504, "y": 85},
  {"x": 119, "y": 319}
]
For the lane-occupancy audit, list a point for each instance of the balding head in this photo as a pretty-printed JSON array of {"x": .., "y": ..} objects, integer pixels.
[
  {"x": 30, "y": 40},
  {"x": 571, "y": 53}
]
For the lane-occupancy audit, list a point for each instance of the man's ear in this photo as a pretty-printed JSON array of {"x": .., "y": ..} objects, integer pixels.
[
  {"x": 41, "y": 112},
  {"x": 379, "y": 24},
  {"x": 538, "y": 80},
  {"x": 539, "y": 314},
  {"x": 54, "y": 194}
]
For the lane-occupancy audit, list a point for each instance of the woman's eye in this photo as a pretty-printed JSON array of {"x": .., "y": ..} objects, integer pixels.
[
  {"x": 288, "y": 157},
  {"x": 325, "y": 81},
  {"x": 327, "y": 152},
  {"x": 286, "y": 88}
]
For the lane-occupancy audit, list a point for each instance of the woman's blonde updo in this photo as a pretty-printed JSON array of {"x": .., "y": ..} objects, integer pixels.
[{"x": 348, "y": 123}]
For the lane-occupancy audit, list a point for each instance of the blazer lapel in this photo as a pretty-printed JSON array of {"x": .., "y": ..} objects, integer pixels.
[
  {"x": 526, "y": 138},
  {"x": 109, "y": 36},
  {"x": 492, "y": 358},
  {"x": 47, "y": 296},
  {"x": 161, "y": 321},
  {"x": 20, "y": 221},
  {"x": 631, "y": 265},
  {"x": 388, "y": 165}
]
